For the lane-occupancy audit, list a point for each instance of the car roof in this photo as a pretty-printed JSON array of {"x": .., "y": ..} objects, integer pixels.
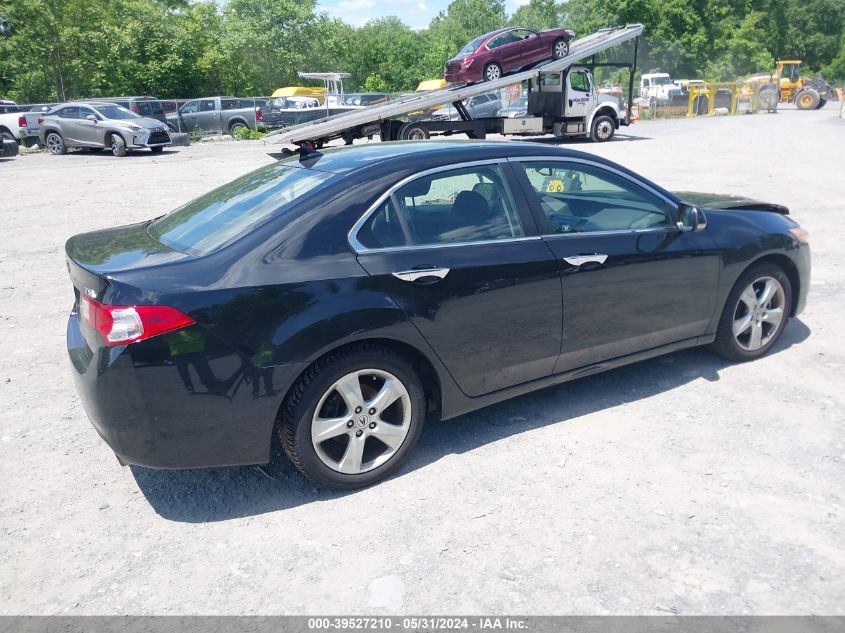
[{"x": 425, "y": 154}]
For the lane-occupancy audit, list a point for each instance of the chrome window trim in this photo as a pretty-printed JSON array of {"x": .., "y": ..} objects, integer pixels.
[
  {"x": 352, "y": 234},
  {"x": 665, "y": 229}
]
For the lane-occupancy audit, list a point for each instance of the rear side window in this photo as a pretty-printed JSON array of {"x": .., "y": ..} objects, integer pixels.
[
  {"x": 230, "y": 212},
  {"x": 144, "y": 108},
  {"x": 470, "y": 204}
]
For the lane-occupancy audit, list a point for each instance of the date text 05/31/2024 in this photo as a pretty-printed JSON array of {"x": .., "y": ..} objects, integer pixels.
[{"x": 416, "y": 623}]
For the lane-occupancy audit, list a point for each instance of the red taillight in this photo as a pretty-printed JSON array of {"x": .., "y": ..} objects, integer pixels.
[
  {"x": 21, "y": 121},
  {"x": 133, "y": 107},
  {"x": 120, "y": 325},
  {"x": 258, "y": 115}
]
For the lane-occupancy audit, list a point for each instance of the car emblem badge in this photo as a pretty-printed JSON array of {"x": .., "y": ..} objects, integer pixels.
[{"x": 362, "y": 421}]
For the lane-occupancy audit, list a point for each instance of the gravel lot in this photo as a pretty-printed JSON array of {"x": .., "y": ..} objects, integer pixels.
[{"x": 678, "y": 485}]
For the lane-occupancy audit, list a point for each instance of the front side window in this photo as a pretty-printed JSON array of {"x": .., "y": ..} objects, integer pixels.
[
  {"x": 579, "y": 81},
  {"x": 85, "y": 112},
  {"x": 470, "y": 204},
  {"x": 190, "y": 108},
  {"x": 225, "y": 214},
  {"x": 577, "y": 198}
]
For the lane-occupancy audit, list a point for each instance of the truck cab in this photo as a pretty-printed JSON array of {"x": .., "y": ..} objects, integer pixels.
[
  {"x": 570, "y": 105},
  {"x": 657, "y": 89}
]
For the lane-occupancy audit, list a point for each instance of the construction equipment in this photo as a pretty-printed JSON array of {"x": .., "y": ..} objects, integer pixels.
[
  {"x": 807, "y": 93},
  {"x": 562, "y": 100}
]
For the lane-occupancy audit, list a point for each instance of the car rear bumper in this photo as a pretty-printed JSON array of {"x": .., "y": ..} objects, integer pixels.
[
  {"x": 178, "y": 401},
  {"x": 463, "y": 75}
]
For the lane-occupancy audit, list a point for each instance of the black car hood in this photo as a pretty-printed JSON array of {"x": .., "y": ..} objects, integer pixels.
[
  {"x": 119, "y": 249},
  {"x": 725, "y": 201}
]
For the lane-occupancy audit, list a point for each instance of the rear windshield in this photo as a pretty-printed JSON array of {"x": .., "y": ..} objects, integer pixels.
[
  {"x": 470, "y": 48},
  {"x": 225, "y": 214}
]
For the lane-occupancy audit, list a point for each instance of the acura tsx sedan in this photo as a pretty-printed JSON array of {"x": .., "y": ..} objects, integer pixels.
[{"x": 333, "y": 301}]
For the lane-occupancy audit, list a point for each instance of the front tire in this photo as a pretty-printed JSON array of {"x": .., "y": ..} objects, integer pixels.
[
  {"x": 807, "y": 99},
  {"x": 352, "y": 417},
  {"x": 603, "y": 129},
  {"x": 492, "y": 72},
  {"x": 118, "y": 145},
  {"x": 755, "y": 313},
  {"x": 560, "y": 49}
]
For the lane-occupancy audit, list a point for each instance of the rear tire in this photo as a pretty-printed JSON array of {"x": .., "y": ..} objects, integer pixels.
[
  {"x": 492, "y": 72},
  {"x": 55, "y": 144},
  {"x": 157, "y": 150},
  {"x": 237, "y": 125},
  {"x": 822, "y": 103},
  {"x": 604, "y": 127},
  {"x": 118, "y": 145},
  {"x": 347, "y": 384},
  {"x": 752, "y": 323},
  {"x": 414, "y": 132},
  {"x": 7, "y": 135}
]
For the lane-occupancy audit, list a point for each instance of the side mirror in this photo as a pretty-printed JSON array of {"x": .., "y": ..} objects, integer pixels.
[
  {"x": 690, "y": 218},
  {"x": 91, "y": 117}
]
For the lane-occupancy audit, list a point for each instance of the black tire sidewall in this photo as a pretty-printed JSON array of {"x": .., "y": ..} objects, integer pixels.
[
  {"x": 488, "y": 66},
  {"x": 297, "y": 425},
  {"x": 593, "y": 133},
  {"x": 726, "y": 344},
  {"x": 117, "y": 145},
  {"x": 554, "y": 48},
  {"x": 63, "y": 149}
]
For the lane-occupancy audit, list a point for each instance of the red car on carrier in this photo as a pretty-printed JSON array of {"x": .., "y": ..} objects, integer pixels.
[{"x": 497, "y": 53}]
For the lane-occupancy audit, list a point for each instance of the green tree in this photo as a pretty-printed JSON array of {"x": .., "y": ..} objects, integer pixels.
[{"x": 539, "y": 14}]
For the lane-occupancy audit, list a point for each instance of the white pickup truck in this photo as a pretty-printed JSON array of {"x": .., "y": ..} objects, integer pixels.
[
  {"x": 658, "y": 89},
  {"x": 16, "y": 124}
]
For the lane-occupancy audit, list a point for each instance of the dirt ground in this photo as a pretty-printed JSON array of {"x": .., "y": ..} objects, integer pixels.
[{"x": 678, "y": 485}]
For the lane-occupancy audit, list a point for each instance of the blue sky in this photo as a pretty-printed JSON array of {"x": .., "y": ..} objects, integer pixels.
[{"x": 415, "y": 13}]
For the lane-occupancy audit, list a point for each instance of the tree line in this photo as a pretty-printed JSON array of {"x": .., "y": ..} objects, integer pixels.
[{"x": 62, "y": 49}]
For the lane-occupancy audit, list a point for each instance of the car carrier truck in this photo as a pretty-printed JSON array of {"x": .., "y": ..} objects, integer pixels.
[{"x": 562, "y": 100}]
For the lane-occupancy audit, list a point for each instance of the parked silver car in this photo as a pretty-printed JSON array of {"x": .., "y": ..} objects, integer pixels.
[{"x": 98, "y": 125}]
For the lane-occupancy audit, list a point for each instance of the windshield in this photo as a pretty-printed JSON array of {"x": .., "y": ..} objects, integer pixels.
[
  {"x": 116, "y": 112},
  {"x": 470, "y": 48},
  {"x": 225, "y": 214},
  {"x": 661, "y": 81}
]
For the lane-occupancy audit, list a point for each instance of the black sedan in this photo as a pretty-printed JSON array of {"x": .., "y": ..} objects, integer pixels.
[{"x": 333, "y": 300}]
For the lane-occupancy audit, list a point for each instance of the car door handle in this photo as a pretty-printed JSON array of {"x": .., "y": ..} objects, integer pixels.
[
  {"x": 580, "y": 260},
  {"x": 420, "y": 273}
]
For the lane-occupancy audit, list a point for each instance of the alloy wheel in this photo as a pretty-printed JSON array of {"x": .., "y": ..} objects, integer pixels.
[
  {"x": 759, "y": 313},
  {"x": 561, "y": 50},
  {"x": 54, "y": 143},
  {"x": 361, "y": 421},
  {"x": 493, "y": 72}
]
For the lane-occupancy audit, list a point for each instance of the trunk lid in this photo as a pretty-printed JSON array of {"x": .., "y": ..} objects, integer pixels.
[{"x": 92, "y": 258}]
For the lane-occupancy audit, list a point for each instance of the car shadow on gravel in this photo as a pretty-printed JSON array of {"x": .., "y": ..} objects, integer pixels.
[{"x": 219, "y": 494}]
